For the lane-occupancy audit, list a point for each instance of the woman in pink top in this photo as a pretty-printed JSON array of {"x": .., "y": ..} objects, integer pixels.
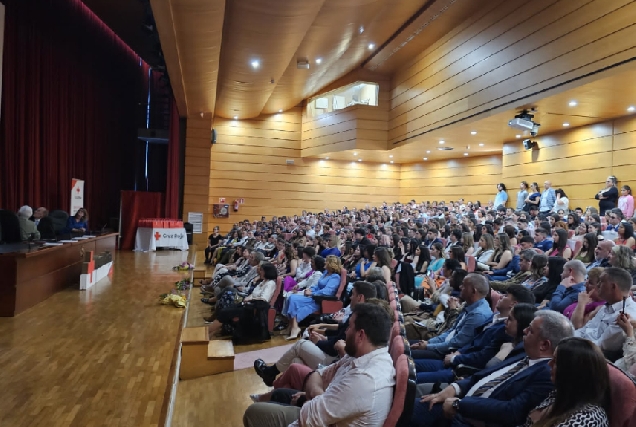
[{"x": 626, "y": 201}]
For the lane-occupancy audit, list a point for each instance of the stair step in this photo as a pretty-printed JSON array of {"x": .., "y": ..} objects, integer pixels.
[
  {"x": 198, "y": 335},
  {"x": 220, "y": 349}
]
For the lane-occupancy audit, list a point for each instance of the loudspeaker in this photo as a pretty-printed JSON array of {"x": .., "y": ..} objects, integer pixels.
[{"x": 213, "y": 137}]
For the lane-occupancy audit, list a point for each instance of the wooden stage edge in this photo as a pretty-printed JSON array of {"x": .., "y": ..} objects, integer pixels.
[{"x": 30, "y": 277}]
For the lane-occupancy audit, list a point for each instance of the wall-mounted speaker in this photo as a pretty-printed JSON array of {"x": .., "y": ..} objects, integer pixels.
[
  {"x": 213, "y": 137},
  {"x": 529, "y": 144}
]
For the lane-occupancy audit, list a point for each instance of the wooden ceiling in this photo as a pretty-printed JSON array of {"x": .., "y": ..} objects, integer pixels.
[{"x": 596, "y": 101}]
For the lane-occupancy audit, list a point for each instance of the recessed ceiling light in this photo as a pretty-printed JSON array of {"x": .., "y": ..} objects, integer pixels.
[
  {"x": 572, "y": 104},
  {"x": 631, "y": 109},
  {"x": 280, "y": 111},
  {"x": 371, "y": 46},
  {"x": 359, "y": 160},
  {"x": 235, "y": 117},
  {"x": 326, "y": 158},
  {"x": 468, "y": 147},
  {"x": 465, "y": 154},
  {"x": 481, "y": 145},
  {"x": 442, "y": 142},
  {"x": 256, "y": 64},
  {"x": 391, "y": 156},
  {"x": 518, "y": 136},
  {"x": 361, "y": 29},
  {"x": 473, "y": 133},
  {"x": 428, "y": 151},
  {"x": 566, "y": 125},
  {"x": 425, "y": 158},
  {"x": 355, "y": 153},
  {"x": 318, "y": 60},
  {"x": 391, "y": 162}
]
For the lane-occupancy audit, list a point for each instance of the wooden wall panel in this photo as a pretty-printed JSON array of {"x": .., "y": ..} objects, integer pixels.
[
  {"x": 518, "y": 50},
  {"x": 473, "y": 179},
  {"x": 249, "y": 162},
  {"x": 197, "y": 171}
]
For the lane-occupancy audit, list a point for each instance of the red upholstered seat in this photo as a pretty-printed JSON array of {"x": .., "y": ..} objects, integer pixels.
[
  {"x": 395, "y": 331},
  {"x": 494, "y": 299},
  {"x": 271, "y": 314},
  {"x": 403, "y": 394},
  {"x": 396, "y": 348},
  {"x": 470, "y": 263},
  {"x": 622, "y": 410},
  {"x": 329, "y": 306}
]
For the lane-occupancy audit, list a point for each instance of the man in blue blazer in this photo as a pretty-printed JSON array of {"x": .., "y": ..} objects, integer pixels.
[
  {"x": 504, "y": 394},
  {"x": 483, "y": 348}
]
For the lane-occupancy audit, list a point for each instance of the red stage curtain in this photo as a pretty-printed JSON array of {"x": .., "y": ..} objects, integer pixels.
[
  {"x": 134, "y": 206},
  {"x": 172, "y": 182},
  {"x": 71, "y": 90}
]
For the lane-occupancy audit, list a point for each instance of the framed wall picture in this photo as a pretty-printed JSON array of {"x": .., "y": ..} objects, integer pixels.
[{"x": 220, "y": 210}]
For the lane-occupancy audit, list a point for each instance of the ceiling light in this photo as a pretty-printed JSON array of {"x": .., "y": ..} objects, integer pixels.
[
  {"x": 473, "y": 133},
  {"x": 361, "y": 30},
  {"x": 566, "y": 125},
  {"x": 481, "y": 145},
  {"x": 465, "y": 154},
  {"x": 425, "y": 158},
  {"x": 256, "y": 64},
  {"x": 391, "y": 156},
  {"x": 468, "y": 147},
  {"x": 631, "y": 109},
  {"x": 359, "y": 160},
  {"x": 572, "y": 104},
  {"x": 442, "y": 142},
  {"x": 371, "y": 46},
  {"x": 318, "y": 60},
  {"x": 235, "y": 117},
  {"x": 518, "y": 136},
  {"x": 391, "y": 162},
  {"x": 428, "y": 151},
  {"x": 355, "y": 153},
  {"x": 326, "y": 158},
  {"x": 280, "y": 111}
]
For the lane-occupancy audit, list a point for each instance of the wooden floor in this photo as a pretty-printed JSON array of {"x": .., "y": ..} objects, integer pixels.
[{"x": 93, "y": 358}]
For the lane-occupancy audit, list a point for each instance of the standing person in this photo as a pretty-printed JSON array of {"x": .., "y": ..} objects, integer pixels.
[
  {"x": 607, "y": 197},
  {"x": 502, "y": 196},
  {"x": 562, "y": 202},
  {"x": 625, "y": 201},
  {"x": 534, "y": 197},
  {"x": 548, "y": 199},
  {"x": 522, "y": 194}
]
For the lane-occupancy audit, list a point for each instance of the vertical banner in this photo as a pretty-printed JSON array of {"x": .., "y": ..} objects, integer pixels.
[
  {"x": 77, "y": 195},
  {"x": 1, "y": 43}
]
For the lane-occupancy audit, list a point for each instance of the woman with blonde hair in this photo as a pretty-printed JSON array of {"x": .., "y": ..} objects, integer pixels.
[
  {"x": 300, "y": 306},
  {"x": 468, "y": 243}
]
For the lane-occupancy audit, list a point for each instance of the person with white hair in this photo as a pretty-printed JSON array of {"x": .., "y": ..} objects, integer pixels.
[{"x": 28, "y": 228}]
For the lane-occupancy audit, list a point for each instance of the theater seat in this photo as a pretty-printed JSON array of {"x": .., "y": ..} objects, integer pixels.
[
  {"x": 46, "y": 228},
  {"x": 60, "y": 219},
  {"x": 396, "y": 348},
  {"x": 494, "y": 299},
  {"x": 330, "y": 305},
  {"x": 403, "y": 393},
  {"x": 10, "y": 227},
  {"x": 622, "y": 410},
  {"x": 470, "y": 263},
  {"x": 271, "y": 314}
]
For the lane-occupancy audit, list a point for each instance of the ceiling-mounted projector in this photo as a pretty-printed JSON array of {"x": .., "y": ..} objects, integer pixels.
[{"x": 523, "y": 121}]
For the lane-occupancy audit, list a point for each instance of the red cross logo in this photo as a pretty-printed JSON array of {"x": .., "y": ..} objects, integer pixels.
[
  {"x": 157, "y": 236},
  {"x": 78, "y": 190}
]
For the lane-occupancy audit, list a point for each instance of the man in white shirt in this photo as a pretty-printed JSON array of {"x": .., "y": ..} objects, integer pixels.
[
  {"x": 602, "y": 330},
  {"x": 355, "y": 391}
]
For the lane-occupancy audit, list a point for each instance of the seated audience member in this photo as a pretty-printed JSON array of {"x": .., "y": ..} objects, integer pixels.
[
  {"x": 581, "y": 387},
  {"x": 78, "y": 223},
  {"x": 628, "y": 361},
  {"x": 301, "y": 306},
  {"x": 572, "y": 283},
  {"x": 213, "y": 242},
  {"x": 259, "y": 297},
  {"x": 38, "y": 214},
  {"x": 409, "y": 305},
  {"x": 601, "y": 255},
  {"x": 525, "y": 262},
  {"x": 589, "y": 302},
  {"x": 332, "y": 247},
  {"x": 541, "y": 241},
  {"x": 505, "y": 393},
  {"x": 356, "y": 390},
  {"x": 588, "y": 246},
  {"x": 28, "y": 230},
  {"x": 626, "y": 235},
  {"x": 623, "y": 257},
  {"x": 318, "y": 349},
  {"x": 502, "y": 255},
  {"x": 475, "y": 314},
  {"x": 485, "y": 252},
  {"x": 487, "y": 344},
  {"x": 302, "y": 269},
  {"x": 437, "y": 258},
  {"x": 560, "y": 246},
  {"x": 544, "y": 290},
  {"x": 538, "y": 270},
  {"x": 602, "y": 330}
]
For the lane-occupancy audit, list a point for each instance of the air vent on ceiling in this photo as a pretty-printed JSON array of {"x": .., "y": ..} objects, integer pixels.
[
  {"x": 444, "y": 148},
  {"x": 302, "y": 64}
]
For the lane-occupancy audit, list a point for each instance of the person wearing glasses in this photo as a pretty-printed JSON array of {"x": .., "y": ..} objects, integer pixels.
[
  {"x": 607, "y": 197},
  {"x": 614, "y": 218}
]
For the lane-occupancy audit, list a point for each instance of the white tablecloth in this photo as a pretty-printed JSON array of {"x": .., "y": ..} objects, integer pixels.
[{"x": 149, "y": 239}]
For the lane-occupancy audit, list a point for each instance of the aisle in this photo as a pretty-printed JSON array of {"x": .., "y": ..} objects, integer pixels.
[{"x": 93, "y": 358}]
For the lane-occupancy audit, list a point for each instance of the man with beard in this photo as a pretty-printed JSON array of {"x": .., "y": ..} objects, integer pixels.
[{"x": 358, "y": 388}]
